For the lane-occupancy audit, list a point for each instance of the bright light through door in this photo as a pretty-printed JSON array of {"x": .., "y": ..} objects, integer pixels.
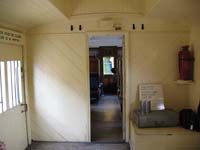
[
  {"x": 14, "y": 83},
  {"x": 2, "y": 88}
]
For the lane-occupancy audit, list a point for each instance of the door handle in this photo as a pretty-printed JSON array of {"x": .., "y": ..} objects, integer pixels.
[{"x": 25, "y": 108}]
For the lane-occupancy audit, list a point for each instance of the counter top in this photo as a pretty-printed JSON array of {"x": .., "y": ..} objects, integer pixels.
[{"x": 163, "y": 131}]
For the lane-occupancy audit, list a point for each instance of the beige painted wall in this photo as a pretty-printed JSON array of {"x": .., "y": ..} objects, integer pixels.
[
  {"x": 58, "y": 76},
  {"x": 195, "y": 88},
  {"x": 58, "y": 87},
  {"x": 154, "y": 60}
]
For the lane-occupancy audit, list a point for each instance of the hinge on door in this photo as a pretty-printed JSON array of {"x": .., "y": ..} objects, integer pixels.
[{"x": 25, "y": 108}]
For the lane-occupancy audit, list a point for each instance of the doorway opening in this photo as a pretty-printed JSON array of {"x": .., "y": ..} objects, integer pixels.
[
  {"x": 106, "y": 87},
  {"x": 13, "y": 117}
]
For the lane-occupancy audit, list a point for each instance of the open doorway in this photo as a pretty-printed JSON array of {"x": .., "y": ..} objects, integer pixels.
[{"x": 106, "y": 87}]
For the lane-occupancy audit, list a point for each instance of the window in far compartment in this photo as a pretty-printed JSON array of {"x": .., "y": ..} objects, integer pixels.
[{"x": 108, "y": 64}]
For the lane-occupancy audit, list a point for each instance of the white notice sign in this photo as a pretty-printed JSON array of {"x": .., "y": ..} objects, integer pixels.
[{"x": 153, "y": 93}]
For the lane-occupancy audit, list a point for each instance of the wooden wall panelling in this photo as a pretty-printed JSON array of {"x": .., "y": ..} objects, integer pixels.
[{"x": 58, "y": 85}]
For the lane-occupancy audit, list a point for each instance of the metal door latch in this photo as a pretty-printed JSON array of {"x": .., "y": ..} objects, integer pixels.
[{"x": 25, "y": 108}]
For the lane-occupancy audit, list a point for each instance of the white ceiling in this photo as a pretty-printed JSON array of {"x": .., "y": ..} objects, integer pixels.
[
  {"x": 31, "y": 13},
  {"x": 109, "y": 40},
  {"x": 28, "y": 13},
  {"x": 177, "y": 11}
]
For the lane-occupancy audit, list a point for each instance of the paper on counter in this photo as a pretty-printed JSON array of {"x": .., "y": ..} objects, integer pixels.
[{"x": 153, "y": 93}]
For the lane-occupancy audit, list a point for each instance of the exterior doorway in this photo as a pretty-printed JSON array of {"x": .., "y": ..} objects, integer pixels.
[
  {"x": 106, "y": 76},
  {"x": 13, "y": 129}
]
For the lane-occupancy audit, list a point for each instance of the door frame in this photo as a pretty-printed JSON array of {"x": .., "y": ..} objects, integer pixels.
[
  {"x": 26, "y": 89},
  {"x": 126, "y": 81}
]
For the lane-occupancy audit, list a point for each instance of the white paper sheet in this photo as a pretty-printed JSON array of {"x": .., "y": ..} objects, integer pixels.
[{"x": 153, "y": 93}]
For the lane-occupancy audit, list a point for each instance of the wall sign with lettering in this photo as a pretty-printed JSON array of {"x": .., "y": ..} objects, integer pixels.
[
  {"x": 12, "y": 37},
  {"x": 153, "y": 93}
]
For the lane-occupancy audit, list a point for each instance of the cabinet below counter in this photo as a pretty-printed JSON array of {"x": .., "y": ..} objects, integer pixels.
[{"x": 170, "y": 138}]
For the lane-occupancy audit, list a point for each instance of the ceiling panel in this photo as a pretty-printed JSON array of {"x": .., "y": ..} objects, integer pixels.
[
  {"x": 85, "y": 7},
  {"x": 178, "y": 11},
  {"x": 28, "y": 13}
]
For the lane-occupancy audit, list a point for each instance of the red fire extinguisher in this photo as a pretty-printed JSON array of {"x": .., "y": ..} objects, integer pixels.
[{"x": 186, "y": 64}]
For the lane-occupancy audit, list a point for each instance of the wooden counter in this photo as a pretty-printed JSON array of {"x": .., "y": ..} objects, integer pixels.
[{"x": 172, "y": 138}]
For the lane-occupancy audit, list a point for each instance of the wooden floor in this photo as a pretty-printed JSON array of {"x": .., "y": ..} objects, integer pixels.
[
  {"x": 106, "y": 120},
  {"x": 77, "y": 146},
  {"x": 106, "y": 130}
]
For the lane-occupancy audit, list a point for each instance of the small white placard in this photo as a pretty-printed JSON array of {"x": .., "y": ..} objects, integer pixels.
[
  {"x": 11, "y": 37},
  {"x": 153, "y": 93}
]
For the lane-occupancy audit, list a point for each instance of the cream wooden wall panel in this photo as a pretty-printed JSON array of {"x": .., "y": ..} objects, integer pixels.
[
  {"x": 58, "y": 87},
  {"x": 150, "y": 4},
  {"x": 12, "y": 126},
  {"x": 93, "y": 25},
  {"x": 195, "y": 88},
  {"x": 154, "y": 60},
  {"x": 10, "y": 52}
]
